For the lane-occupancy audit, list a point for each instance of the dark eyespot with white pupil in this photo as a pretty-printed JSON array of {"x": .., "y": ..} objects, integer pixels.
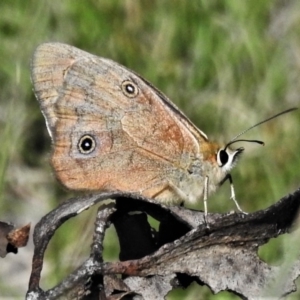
[
  {"x": 86, "y": 144},
  {"x": 222, "y": 157},
  {"x": 129, "y": 89}
]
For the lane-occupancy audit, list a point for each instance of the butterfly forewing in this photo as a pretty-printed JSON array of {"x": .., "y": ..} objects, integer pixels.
[{"x": 142, "y": 142}]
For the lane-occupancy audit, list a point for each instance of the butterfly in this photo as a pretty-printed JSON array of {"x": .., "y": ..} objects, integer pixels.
[{"x": 112, "y": 130}]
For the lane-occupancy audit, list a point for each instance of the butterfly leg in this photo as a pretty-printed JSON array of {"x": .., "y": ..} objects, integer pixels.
[
  {"x": 174, "y": 195},
  {"x": 232, "y": 192},
  {"x": 183, "y": 196},
  {"x": 170, "y": 194},
  {"x": 205, "y": 196}
]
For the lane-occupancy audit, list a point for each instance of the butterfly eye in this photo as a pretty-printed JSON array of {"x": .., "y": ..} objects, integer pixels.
[
  {"x": 129, "y": 89},
  {"x": 222, "y": 157},
  {"x": 86, "y": 144}
]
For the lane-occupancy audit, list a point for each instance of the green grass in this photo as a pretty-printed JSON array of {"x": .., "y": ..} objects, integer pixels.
[{"x": 226, "y": 64}]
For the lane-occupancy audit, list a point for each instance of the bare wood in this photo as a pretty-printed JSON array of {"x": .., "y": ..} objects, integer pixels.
[{"x": 223, "y": 257}]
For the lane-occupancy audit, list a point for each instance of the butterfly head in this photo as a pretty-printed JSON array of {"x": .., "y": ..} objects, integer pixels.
[
  {"x": 227, "y": 157},
  {"x": 222, "y": 157}
]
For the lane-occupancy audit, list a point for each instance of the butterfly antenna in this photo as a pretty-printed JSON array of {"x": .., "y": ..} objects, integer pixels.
[
  {"x": 234, "y": 140},
  {"x": 264, "y": 121}
]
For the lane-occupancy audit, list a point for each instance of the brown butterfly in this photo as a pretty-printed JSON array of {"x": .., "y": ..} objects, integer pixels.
[{"x": 114, "y": 131}]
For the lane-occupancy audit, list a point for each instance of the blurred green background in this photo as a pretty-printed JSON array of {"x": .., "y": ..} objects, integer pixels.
[{"x": 226, "y": 64}]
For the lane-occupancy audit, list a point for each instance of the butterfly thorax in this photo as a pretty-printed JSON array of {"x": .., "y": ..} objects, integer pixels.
[{"x": 206, "y": 171}]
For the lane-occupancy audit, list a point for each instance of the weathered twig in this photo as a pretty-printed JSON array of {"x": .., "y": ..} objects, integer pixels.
[{"x": 223, "y": 256}]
